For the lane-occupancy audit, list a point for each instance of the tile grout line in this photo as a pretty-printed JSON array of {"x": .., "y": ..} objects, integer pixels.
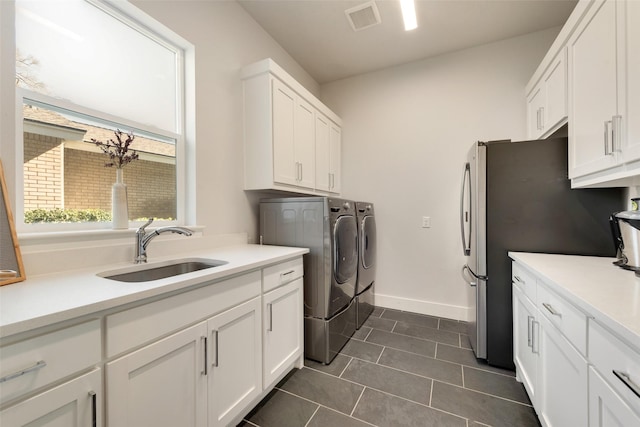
[
  {"x": 357, "y": 401},
  {"x": 380, "y": 356},
  {"x": 345, "y": 368},
  {"x": 320, "y": 405},
  {"x": 431, "y": 394},
  {"x": 312, "y": 415}
]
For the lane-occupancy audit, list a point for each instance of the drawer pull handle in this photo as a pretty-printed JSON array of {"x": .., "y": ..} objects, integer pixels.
[
  {"x": 94, "y": 409},
  {"x": 627, "y": 381},
  {"x": 39, "y": 365},
  {"x": 533, "y": 337},
  {"x": 206, "y": 356},
  {"x": 518, "y": 279},
  {"x": 551, "y": 310},
  {"x": 215, "y": 342},
  {"x": 287, "y": 273}
]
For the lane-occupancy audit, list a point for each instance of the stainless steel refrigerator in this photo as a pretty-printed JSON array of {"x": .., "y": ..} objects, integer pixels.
[{"x": 516, "y": 196}]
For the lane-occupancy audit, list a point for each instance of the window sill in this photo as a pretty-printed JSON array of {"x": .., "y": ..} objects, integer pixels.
[{"x": 74, "y": 237}]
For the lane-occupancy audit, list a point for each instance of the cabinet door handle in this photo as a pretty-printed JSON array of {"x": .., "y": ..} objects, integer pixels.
[
  {"x": 206, "y": 355},
  {"x": 538, "y": 119},
  {"x": 551, "y": 310},
  {"x": 300, "y": 171},
  {"x": 94, "y": 408},
  {"x": 607, "y": 131},
  {"x": 616, "y": 132},
  {"x": 533, "y": 337},
  {"x": 530, "y": 331},
  {"x": 270, "y": 309},
  {"x": 215, "y": 353},
  {"x": 39, "y": 365},
  {"x": 624, "y": 377},
  {"x": 541, "y": 118}
]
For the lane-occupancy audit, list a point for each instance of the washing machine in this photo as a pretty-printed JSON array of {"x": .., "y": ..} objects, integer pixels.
[
  {"x": 366, "y": 261},
  {"x": 328, "y": 227}
]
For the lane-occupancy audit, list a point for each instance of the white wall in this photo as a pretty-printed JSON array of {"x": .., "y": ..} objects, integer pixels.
[
  {"x": 226, "y": 39},
  {"x": 406, "y": 132}
]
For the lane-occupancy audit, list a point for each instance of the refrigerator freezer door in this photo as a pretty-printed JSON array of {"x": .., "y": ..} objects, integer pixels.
[{"x": 477, "y": 263}]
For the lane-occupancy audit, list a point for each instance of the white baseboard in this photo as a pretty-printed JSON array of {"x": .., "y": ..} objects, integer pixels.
[{"x": 423, "y": 307}]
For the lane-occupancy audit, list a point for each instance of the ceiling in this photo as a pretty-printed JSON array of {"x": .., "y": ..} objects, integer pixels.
[{"x": 317, "y": 34}]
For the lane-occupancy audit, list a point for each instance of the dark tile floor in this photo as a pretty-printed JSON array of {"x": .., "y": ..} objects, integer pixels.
[{"x": 399, "y": 369}]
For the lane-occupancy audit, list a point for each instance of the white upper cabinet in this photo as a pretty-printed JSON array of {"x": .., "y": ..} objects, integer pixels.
[
  {"x": 328, "y": 145},
  {"x": 593, "y": 97},
  {"x": 604, "y": 95},
  {"x": 291, "y": 140},
  {"x": 547, "y": 100}
]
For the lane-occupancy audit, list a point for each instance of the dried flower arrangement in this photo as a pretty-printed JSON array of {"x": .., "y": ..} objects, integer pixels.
[{"x": 118, "y": 150}]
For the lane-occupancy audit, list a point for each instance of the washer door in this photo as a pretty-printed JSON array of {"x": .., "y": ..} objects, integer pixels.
[
  {"x": 345, "y": 239},
  {"x": 368, "y": 242}
]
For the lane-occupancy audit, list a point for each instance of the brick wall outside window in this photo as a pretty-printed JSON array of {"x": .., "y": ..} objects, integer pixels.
[{"x": 151, "y": 186}]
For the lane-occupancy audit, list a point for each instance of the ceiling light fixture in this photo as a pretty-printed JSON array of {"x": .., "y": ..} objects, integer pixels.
[{"x": 409, "y": 14}]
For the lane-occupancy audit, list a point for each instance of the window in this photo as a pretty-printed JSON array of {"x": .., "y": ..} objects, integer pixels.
[{"x": 101, "y": 69}]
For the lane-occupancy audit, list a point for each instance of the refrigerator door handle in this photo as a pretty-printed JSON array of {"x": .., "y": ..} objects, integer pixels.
[
  {"x": 465, "y": 215},
  {"x": 466, "y": 278}
]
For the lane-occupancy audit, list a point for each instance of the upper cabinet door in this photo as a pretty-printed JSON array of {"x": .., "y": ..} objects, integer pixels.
[
  {"x": 335, "y": 147},
  {"x": 535, "y": 103},
  {"x": 285, "y": 168},
  {"x": 323, "y": 174},
  {"x": 629, "y": 76},
  {"x": 593, "y": 91},
  {"x": 555, "y": 86},
  {"x": 304, "y": 143}
]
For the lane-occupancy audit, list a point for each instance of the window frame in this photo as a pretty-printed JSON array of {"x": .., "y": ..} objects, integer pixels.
[{"x": 184, "y": 136}]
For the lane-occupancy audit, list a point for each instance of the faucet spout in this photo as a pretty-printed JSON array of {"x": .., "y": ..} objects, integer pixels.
[{"x": 143, "y": 239}]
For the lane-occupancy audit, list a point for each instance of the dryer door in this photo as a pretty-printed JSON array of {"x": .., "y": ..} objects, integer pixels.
[
  {"x": 345, "y": 263},
  {"x": 368, "y": 242}
]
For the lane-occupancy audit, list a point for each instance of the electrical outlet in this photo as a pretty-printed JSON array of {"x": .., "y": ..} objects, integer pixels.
[{"x": 426, "y": 222}]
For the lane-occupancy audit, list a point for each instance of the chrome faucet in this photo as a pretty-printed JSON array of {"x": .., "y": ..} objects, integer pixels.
[{"x": 143, "y": 239}]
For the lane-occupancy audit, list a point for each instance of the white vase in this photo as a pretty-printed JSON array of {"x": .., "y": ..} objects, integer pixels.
[{"x": 119, "y": 204}]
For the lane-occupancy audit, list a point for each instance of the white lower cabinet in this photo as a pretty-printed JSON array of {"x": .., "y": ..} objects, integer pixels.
[
  {"x": 235, "y": 375},
  {"x": 192, "y": 359},
  {"x": 562, "y": 380},
  {"x": 552, "y": 370},
  {"x": 282, "y": 329},
  {"x": 74, "y": 403},
  {"x": 606, "y": 407},
  {"x": 163, "y": 383},
  {"x": 575, "y": 370},
  {"x": 525, "y": 341},
  {"x": 206, "y": 374}
]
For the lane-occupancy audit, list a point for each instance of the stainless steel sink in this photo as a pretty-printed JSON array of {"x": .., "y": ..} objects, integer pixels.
[{"x": 161, "y": 270}]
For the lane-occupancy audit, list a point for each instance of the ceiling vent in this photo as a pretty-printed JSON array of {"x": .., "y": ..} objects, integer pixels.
[{"x": 363, "y": 16}]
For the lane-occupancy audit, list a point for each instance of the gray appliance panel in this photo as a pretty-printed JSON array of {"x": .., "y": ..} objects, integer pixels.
[
  {"x": 309, "y": 222},
  {"x": 325, "y": 338},
  {"x": 364, "y": 305},
  {"x": 366, "y": 245}
]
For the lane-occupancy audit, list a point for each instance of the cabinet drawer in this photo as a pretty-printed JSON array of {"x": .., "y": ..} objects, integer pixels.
[
  {"x": 608, "y": 354},
  {"x": 524, "y": 280},
  {"x": 281, "y": 274},
  {"x": 139, "y": 325},
  {"x": 571, "y": 322},
  {"x": 30, "y": 364}
]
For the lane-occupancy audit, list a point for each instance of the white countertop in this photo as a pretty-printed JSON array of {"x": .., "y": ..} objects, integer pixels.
[
  {"x": 53, "y": 298},
  {"x": 608, "y": 293}
]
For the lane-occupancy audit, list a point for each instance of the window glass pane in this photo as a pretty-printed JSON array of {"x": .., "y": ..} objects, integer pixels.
[
  {"x": 72, "y": 49},
  {"x": 65, "y": 177}
]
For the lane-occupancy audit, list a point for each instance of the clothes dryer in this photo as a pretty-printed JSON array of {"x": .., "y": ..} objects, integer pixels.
[
  {"x": 328, "y": 227},
  {"x": 366, "y": 261}
]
